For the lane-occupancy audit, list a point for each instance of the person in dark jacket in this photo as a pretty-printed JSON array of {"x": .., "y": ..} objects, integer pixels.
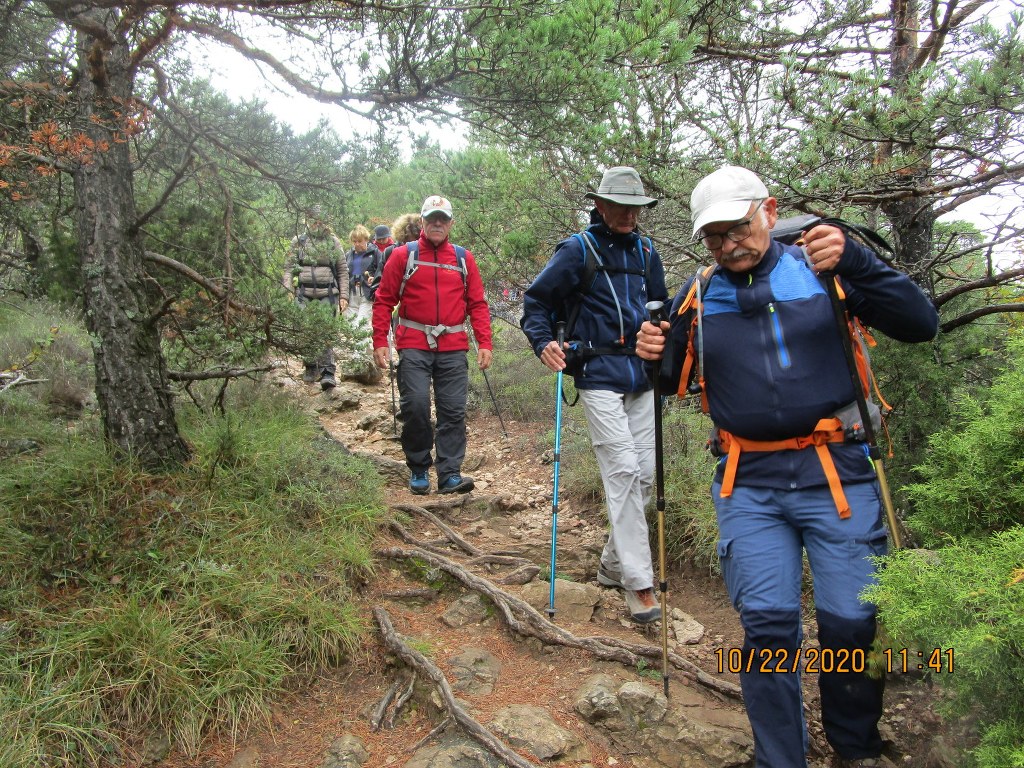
[
  {"x": 316, "y": 270},
  {"x": 364, "y": 267},
  {"x": 612, "y": 382},
  {"x": 776, "y": 382},
  {"x": 433, "y": 304}
]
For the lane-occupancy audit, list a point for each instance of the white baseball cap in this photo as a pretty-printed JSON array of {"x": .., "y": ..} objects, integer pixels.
[
  {"x": 725, "y": 195},
  {"x": 435, "y": 204}
]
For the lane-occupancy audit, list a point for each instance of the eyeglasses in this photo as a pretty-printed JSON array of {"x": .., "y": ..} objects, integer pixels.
[{"x": 738, "y": 232}]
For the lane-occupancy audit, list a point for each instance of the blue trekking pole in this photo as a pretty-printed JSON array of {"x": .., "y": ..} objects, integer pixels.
[
  {"x": 657, "y": 311},
  {"x": 560, "y": 334}
]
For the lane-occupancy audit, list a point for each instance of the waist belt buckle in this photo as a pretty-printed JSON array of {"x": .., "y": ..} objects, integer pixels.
[{"x": 433, "y": 331}]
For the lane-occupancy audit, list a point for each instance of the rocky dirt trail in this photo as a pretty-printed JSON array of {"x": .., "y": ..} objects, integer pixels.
[{"x": 495, "y": 683}]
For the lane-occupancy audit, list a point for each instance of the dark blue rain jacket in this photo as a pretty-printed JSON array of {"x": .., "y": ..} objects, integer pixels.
[
  {"x": 773, "y": 359},
  {"x": 598, "y": 325}
]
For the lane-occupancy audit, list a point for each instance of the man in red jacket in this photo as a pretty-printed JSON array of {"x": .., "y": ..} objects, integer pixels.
[{"x": 434, "y": 291}]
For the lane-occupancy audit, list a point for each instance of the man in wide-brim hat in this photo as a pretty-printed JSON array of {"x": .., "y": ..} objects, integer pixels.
[
  {"x": 612, "y": 382},
  {"x": 621, "y": 185}
]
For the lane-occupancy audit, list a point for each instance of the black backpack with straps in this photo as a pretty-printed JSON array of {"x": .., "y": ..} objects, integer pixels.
[{"x": 593, "y": 265}]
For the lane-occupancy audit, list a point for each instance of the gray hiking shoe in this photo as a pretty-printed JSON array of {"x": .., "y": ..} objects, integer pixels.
[
  {"x": 642, "y": 605},
  {"x": 455, "y": 484},
  {"x": 606, "y": 577},
  {"x": 309, "y": 374},
  {"x": 328, "y": 382}
]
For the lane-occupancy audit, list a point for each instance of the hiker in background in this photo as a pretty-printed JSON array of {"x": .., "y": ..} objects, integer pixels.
[
  {"x": 608, "y": 301},
  {"x": 316, "y": 270},
  {"x": 775, "y": 379},
  {"x": 406, "y": 229},
  {"x": 382, "y": 237},
  {"x": 364, "y": 265},
  {"x": 435, "y": 285}
]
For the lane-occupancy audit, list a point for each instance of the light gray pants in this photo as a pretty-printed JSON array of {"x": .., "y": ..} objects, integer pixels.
[{"x": 622, "y": 433}]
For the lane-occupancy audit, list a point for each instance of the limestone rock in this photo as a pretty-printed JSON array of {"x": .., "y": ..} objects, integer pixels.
[
  {"x": 468, "y": 609},
  {"x": 573, "y": 601},
  {"x": 346, "y": 752},
  {"x": 475, "y": 671},
  {"x": 533, "y": 729},
  {"x": 686, "y": 629}
]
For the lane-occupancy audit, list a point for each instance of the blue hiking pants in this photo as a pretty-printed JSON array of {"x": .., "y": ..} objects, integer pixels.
[
  {"x": 762, "y": 533},
  {"x": 449, "y": 374}
]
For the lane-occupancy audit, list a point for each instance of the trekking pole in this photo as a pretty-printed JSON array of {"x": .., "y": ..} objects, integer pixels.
[
  {"x": 490, "y": 391},
  {"x": 874, "y": 452},
  {"x": 560, "y": 335},
  {"x": 657, "y": 312}
]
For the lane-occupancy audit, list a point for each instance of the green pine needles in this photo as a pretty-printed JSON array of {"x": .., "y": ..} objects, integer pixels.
[{"x": 967, "y": 594}]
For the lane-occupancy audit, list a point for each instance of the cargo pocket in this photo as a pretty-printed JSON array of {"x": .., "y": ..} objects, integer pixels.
[
  {"x": 728, "y": 565},
  {"x": 874, "y": 544}
]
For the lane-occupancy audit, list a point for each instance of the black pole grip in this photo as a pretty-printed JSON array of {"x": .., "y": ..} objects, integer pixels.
[
  {"x": 560, "y": 333},
  {"x": 657, "y": 311}
]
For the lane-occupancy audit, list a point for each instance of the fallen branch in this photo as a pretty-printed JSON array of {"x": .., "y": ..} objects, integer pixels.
[
  {"x": 7, "y": 381},
  {"x": 534, "y": 624},
  {"x": 421, "y": 663}
]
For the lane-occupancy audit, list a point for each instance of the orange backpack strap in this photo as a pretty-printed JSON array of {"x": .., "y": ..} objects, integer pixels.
[
  {"x": 825, "y": 431},
  {"x": 694, "y": 301}
]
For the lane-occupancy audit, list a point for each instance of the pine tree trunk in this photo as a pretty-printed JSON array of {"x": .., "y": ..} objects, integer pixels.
[
  {"x": 912, "y": 219},
  {"x": 131, "y": 375}
]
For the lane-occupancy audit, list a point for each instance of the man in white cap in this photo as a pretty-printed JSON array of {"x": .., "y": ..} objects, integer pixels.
[
  {"x": 794, "y": 476},
  {"x": 435, "y": 285},
  {"x": 599, "y": 282}
]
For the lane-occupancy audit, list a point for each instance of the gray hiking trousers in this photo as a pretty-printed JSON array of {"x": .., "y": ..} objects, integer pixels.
[
  {"x": 621, "y": 430},
  {"x": 449, "y": 374}
]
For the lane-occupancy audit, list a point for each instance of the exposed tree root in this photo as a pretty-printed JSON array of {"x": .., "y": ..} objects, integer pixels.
[
  {"x": 524, "y": 619},
  {"x": 401, "y": 701},
  {"x": 422, "y": 664},
  {"x": 382, "y": 706},
  {"x": 451, "y": 534}
]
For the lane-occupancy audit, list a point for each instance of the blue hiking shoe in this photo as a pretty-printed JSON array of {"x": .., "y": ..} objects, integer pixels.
[
  {"x": 455, "y": 484},
  {"x": 419, "y": 483}
]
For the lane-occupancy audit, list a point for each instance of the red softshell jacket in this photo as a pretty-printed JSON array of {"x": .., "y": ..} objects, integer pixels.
[{"x": 432, "y": 297}]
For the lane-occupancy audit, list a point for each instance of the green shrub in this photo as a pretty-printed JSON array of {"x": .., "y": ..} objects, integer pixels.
[
  {"x": 974, "y": 472},
  {"x": 968, "y": 597},
  {"x": 522, "y": 385},
  {"x": 179, "y": 603},
  {"x": 691, "y": 529}
]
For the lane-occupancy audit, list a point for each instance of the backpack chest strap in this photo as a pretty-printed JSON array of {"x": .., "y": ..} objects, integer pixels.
[{"x": 825, "y": 431}]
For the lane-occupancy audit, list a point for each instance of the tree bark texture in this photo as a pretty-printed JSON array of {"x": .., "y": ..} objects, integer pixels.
[
  {"x": 912, "y": 219},
  {"x": 131, "y": 376}
]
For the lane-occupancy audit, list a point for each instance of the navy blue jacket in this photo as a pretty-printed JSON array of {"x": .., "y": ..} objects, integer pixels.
[
  {"x": 773, "y": 358},
  {"x": 598, "y": 323}
]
